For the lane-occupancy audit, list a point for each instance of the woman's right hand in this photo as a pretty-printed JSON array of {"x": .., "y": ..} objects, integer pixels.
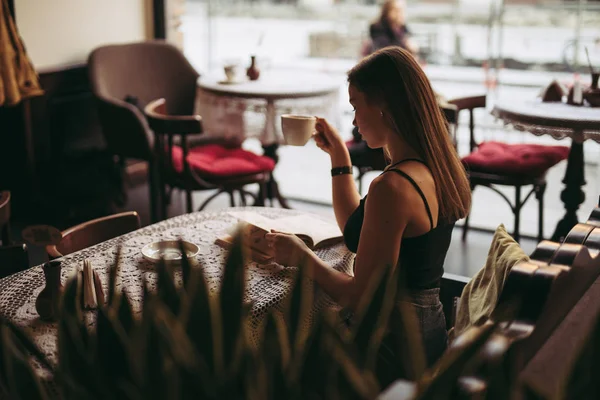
[{"x": 328, "y": 139}]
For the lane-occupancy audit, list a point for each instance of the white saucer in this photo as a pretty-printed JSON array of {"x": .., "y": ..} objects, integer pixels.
[
  {"x": 169, "y": 251},
  {"x": 235, "y": 82}
]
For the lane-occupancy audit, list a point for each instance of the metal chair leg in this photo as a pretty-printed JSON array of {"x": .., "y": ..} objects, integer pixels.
[
  {"x": 517, "y": 212},
  {"x": 466, "y": 224},
  {"x": 466, "y": 227},
  {"x": 262, "y": 195},
  {"x": 188, "y": 200},
  {"x": 539, "y": 194},
  {"x": 231, "y": 198},
  {"x": 243, "y": 198},
  {"x": 209, "y": 199}
]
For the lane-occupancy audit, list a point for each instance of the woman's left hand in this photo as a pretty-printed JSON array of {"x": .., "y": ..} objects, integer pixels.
[{"x": 289, "y": 250}]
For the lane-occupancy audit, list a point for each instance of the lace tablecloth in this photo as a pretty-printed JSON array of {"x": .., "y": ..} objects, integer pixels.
[
  {"x": 558, "y": 120},
  {"x": 252, "y": 108},
  {"x": 267, "y": 284}
]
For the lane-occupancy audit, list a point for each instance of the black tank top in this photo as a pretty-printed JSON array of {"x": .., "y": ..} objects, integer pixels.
[{"x": 421, "y": 257}]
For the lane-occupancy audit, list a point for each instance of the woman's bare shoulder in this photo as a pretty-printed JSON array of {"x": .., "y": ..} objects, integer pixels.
[{"x": 388, "y": 189}]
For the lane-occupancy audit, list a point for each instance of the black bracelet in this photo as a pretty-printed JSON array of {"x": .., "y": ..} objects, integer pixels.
[{"x": 341, "y": 171}]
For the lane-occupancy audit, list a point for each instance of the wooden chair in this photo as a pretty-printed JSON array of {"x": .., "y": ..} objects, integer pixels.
[
  {"x": 93, "y": 232},
  {"x": 491, "y": 164},
  {"x": 451, "y": 288},
  {"x": 124, "y": 78},
  {"x": 367, "y": 159},
  {"x": 5, "y": 218},
  {"x": 205, "y": 167}
]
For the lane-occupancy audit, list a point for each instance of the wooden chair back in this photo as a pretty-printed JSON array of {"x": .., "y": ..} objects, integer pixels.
[
  {"x": 170, "y": 131},
  {"x": 451, "y": 287},
  {"x": 124, "y": 78},
  {"x": 93, "y": 232},
  {"x": 470, "y": 103},
  {"x": 450, "y": 112},
  {"x": 5, "y": 218}
]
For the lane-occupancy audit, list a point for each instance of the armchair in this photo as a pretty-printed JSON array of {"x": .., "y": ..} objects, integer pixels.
[{"x": 124, "y": 79}]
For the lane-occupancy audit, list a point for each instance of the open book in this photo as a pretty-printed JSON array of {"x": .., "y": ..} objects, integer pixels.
[{"x": 315, "y": 232}]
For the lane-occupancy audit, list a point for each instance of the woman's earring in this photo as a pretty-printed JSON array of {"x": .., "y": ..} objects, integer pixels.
[{"x": 381, "y": 113}]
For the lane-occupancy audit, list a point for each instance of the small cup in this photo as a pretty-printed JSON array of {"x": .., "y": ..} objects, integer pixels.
[
  {"x": 231, "y": 72},
  {"x": 297, "y": 129}
]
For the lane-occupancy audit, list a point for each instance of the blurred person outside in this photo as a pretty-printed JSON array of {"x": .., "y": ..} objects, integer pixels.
[{"x": 390, "y": 29}]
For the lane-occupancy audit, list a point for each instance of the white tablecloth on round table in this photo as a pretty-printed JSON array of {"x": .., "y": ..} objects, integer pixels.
[
  {"x": 267, "y": 284},
  {"x": 242, "y": 109},
  {"x": 558, "y": 120}
]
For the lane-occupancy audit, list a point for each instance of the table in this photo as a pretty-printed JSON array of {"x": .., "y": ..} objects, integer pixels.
[
  {"x": 225, "y": 107},
  {"x": 560, "y": 121},
  {"x": 267, "y": 284}
]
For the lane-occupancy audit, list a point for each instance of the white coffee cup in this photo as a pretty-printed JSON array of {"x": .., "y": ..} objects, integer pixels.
[
  {"x": 232, "y": 72},
  {"x": 297, "y": 129}
]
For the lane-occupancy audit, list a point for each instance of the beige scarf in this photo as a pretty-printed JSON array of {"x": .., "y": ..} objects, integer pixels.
[{"x": 18, "y": 79}]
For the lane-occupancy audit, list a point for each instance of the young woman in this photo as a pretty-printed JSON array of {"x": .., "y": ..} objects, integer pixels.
[
  {"x": 408, "y": 216},
  {"x": 390, "y": 29}
]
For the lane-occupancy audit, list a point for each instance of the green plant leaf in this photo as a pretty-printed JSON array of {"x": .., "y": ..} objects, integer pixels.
[
  {"x": 21, "y": 380},
  {"x": 255, "y": 375},
  {"x": 112, "y": 351},
  {"x": 317, "y": 364},
  {"x": 74, "y": 363},
  {"x": 152, "y": 361},
  {"x": 125, "y": 313},
  {"x": 353, "y": 381},
  {"x": 186, "y": 266},
  {"x": 373, "y": 313},
  {"x": 27, "y": 344},
  {"x": 450, "y": 366},
  {"x": 276, "y": 354},
  {"x": 167, "y": 291},
  {"x": 70, "y": 304},
  {"x": 231, "y": 301},
  {"x": 193, "y": 375},
  {"x": 300, "y": 306},
  {"x": 406, "y": 335},
  {"x": 197, "y": 315},
  {"x": 112, "y": 276}
]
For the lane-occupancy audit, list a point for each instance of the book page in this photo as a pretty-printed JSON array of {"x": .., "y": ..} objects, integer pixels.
[
  {"x": 257, "y": 227},
  {"x": 317, "y": 231},
  {"x": 321, "y": 233}
]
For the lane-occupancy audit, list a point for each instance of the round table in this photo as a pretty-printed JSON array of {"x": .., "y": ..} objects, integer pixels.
[
  {"x": 560, "y": 121},
  {"x": 224, "y": 106},
  {"x": 272, "y": 87},
  {"x": 267, "y": 286}
]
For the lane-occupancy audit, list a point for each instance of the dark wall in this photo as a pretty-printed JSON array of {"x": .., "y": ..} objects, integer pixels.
[
  {"x": 70, "y": 167},
  {"x": 66, "y": 142}
]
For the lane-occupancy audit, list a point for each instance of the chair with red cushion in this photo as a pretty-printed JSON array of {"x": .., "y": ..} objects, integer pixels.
[
  {"x": 204, "y": 167},
  {"x": 493, "y": 163}
]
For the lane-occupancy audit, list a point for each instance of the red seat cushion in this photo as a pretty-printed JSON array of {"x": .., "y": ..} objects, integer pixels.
[
  {"x": 217, "y": 161},
  {"x": 515, "y": 159}
]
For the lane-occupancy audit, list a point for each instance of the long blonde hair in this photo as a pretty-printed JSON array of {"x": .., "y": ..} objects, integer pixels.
[{"x": 392, "y": 79}]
